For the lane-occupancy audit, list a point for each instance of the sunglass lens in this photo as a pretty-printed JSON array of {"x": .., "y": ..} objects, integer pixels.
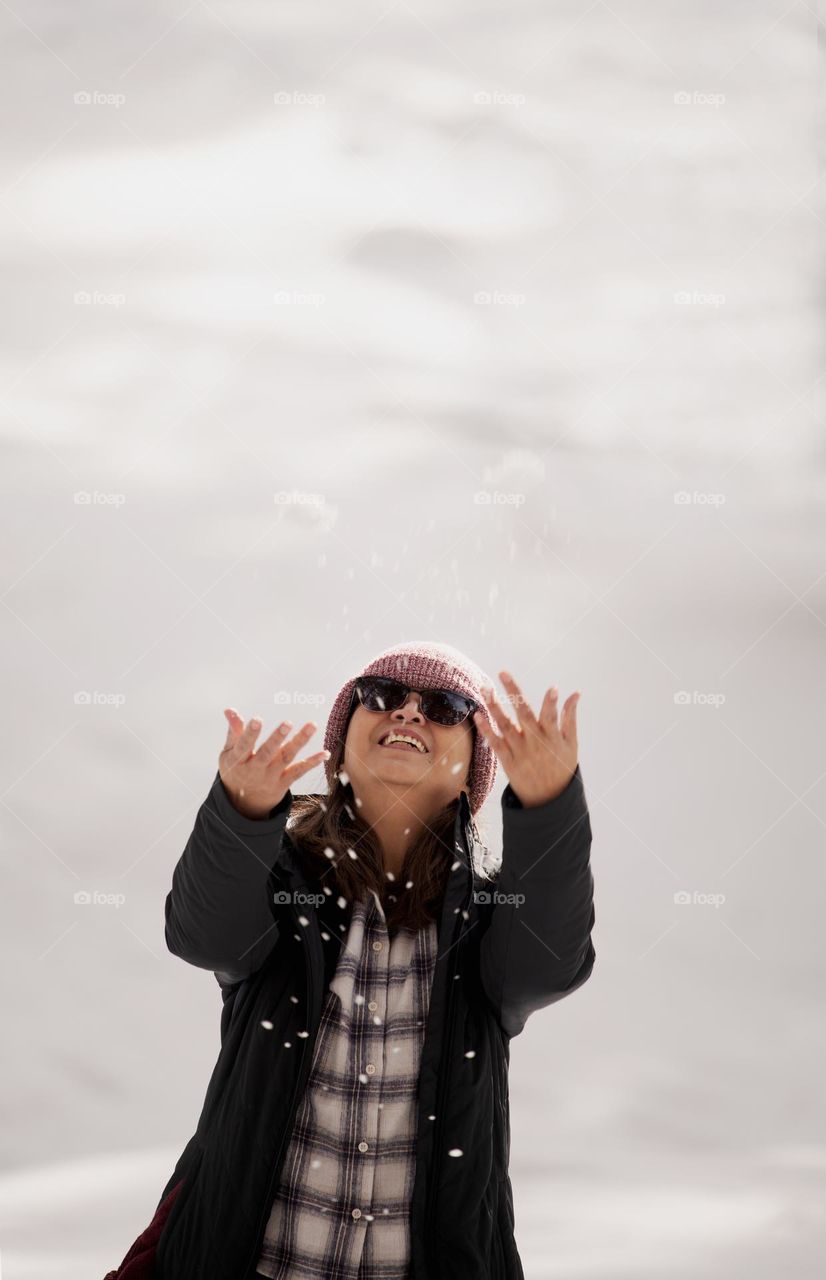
[
  {"x": 445, "y": 707},
  {"x": 380, "y": 694}
]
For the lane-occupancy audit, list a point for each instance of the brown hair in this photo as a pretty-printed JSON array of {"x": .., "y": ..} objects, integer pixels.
[{"x": 319, "y": 823}]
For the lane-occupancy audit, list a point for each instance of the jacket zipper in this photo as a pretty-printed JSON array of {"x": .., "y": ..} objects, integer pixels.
[
  {"x": 442, "y": 1093},
  {"x": 249, "y": 1271}
]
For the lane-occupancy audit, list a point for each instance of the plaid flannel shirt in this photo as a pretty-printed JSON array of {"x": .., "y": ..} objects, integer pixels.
[{"x": 342, "y": 1208}]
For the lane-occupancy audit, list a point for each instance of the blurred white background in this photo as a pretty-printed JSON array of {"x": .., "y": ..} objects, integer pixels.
[{"x": 329, "y": 326}]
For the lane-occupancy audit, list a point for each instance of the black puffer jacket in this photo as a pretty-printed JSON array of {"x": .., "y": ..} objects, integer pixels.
[{"x": 506, "y": 948}]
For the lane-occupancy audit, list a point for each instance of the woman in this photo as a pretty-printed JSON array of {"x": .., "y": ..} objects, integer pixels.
[{"x": 374, "y": 968}]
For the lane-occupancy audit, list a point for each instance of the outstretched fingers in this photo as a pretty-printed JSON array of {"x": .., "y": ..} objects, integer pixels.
[{"x": 295, "y": 771}]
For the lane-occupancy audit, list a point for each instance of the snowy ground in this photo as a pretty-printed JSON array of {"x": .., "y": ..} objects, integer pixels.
[{"x": 283, "y": 347}]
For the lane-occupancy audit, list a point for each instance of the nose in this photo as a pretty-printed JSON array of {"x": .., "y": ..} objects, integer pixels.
[{"x": 411, "y": 708}]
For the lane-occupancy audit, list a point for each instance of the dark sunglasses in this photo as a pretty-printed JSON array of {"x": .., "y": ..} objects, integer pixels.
[{"x": 381, "y": 693}]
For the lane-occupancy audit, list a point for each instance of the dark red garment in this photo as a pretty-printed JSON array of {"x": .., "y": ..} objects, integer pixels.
[{"x": 139, "y": 1261}]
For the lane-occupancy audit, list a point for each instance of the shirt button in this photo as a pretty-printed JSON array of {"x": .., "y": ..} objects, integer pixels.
[
  {"x": 377, "y": 946},
  {"x": 370, "y": 1069},
  {"x": 357, "y": 1213},
  {"x": 371, "y": 1004},
  {"x": 362, "y": 1146}
]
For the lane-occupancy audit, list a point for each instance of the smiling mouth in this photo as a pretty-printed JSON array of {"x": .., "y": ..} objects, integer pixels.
[{"x": 403, "y": 746}]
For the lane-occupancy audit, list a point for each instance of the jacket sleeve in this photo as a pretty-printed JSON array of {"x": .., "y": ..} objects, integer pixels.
[
  {"x": 218, "y": 912},
  {"x": 537, "y": 947}
]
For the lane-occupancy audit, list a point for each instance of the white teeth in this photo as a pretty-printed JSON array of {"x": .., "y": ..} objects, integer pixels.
[{"x": 402, "y": 737}]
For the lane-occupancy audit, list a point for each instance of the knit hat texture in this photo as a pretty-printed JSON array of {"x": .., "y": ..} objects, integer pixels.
[{"x": 424, "y": 664}]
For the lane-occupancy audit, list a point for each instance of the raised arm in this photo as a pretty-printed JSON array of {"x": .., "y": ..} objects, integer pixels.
[
  {"x": 218, "y": 914},
  {"x": 538, "y": 946}
]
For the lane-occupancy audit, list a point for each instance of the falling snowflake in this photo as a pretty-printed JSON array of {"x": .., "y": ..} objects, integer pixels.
[
  {"x": 456, "y": 1151},
  {"x": 266, "y": 1024}
]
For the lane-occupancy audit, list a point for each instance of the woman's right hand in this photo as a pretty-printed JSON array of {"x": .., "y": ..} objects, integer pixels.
[{"x": 256, "y": 781}]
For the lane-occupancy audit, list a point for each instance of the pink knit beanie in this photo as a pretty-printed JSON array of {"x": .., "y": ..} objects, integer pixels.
[{"x": 424, "y": 664}]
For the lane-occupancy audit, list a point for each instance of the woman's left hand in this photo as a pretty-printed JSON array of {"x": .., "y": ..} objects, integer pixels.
[{"x": 539, "y": 755}]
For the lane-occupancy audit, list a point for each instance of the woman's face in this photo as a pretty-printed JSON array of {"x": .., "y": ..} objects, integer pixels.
[{"x": 429, "y": 775}]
